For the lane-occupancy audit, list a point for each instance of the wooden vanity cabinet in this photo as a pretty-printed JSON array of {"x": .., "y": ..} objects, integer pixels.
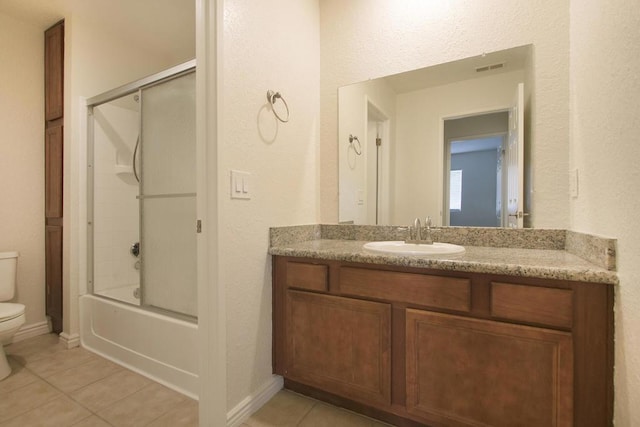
[{"x": 443, "y": 348}]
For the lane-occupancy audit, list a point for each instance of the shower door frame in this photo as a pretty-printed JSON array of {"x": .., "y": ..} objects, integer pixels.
[{"x": 95, "y": 101}]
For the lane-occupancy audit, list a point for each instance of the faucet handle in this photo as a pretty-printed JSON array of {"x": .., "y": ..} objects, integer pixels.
[{"x": 428, "y": 222}]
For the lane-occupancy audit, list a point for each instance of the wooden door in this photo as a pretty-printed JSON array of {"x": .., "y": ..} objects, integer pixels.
[
  {"x": 54, "y": 153},
  {"x": 472, "y": 372},
  {"x": 339, "y": 345},
  {"x": 53, "y": 275},
  {"x": 54, "y": 71}
]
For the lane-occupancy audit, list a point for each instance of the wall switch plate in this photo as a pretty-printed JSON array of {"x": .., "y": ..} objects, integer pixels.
[{"x": 240, "y": 185}]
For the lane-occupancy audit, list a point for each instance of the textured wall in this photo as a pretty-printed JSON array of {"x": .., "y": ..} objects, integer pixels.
[
  {"x": 605, "y": 148},
  {"x": 267, "y": 45},
  {"x": 363, "y": 39},
  {"x": 22, "y": 158}
]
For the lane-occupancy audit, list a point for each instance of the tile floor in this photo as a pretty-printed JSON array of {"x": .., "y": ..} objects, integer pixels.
[
  {"x": 53, "y": 386},
  {"x": 290, "y": 409}
]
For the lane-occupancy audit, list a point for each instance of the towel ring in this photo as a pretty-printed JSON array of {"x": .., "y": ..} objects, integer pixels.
[
  {"x": 272, "y": 97},
  {"x": 358, "y": 150}
]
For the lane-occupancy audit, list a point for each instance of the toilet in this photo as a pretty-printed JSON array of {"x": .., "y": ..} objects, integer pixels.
[{"x": 11, "y": 314}]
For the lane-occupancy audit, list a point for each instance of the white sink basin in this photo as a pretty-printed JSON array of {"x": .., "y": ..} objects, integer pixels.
[{"x": 414, "y": 249}]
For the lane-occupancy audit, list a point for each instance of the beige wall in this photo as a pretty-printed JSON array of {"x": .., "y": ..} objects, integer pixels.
[
  {"x": 364, "y": 39},
  {"x": 22, "y": 159},
  {"x": 605, "y": 149},
  {"x": 267, "y": 45}
]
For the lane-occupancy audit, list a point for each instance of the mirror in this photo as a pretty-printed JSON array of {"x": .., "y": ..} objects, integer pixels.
[{"x": 400, "y": 137}]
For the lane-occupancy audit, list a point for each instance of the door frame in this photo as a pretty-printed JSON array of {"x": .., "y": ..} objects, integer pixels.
[
  {"x": 447, "y": 171},
  {"x": 377, "y": 114},
  {"x": 445, "y": 155}
]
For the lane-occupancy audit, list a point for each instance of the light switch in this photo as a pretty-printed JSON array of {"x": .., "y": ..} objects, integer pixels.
[{"x": 240, "y": 185}]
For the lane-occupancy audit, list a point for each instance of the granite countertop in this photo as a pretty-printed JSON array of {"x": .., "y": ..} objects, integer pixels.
[{"x": 545, "y": 263}]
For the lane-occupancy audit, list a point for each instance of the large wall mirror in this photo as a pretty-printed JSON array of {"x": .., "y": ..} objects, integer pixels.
[{"x": 444, "y": 141}]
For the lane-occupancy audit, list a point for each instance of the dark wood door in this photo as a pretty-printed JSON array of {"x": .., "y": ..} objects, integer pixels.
[
  {"x": 472, "y": 372},
  {"x": 339, "y": 345},
  {"x": 54, "y": 166},
  {"x": 53, "y": 272},
  {"x": 54, "y": 72}
]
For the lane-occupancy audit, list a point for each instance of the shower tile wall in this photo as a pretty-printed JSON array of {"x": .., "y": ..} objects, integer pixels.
[{"x": 116, "y": 219}]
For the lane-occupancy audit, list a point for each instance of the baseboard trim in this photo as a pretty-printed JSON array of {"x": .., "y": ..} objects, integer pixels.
[
  {"x": 69, "y": 340},
  {"x": 32, "y": 330},
  {"x": 253, "y": 402}
]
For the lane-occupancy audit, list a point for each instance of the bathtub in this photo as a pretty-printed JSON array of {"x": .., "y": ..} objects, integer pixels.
[
  {"x": 159, "y": 347},
  {"x": 125, "y": 293}
]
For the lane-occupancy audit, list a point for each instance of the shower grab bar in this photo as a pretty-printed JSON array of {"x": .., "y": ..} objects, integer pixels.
[{"x": 165, "y": 196}]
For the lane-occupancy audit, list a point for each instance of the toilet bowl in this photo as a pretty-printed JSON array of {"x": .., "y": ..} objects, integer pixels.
[
  {"x": 12, "y": 315},
  {"x": 11, "y": 319}
]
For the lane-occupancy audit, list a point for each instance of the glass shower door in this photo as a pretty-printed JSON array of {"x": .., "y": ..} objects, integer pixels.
[{"x": 168, "y": 195}]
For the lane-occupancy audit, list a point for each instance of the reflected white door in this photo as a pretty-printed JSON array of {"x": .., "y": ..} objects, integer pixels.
[{"x": 515, "y": 161}]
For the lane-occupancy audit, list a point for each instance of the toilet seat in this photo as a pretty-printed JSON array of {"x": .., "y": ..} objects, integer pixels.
[{"x": 10, "y": 311}]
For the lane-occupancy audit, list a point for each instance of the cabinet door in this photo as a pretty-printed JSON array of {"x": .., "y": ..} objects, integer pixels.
[
  {"x": 54, "y": 71},
  {"x": 53, "y": 272},
  {"x": 339, "y": 345},
  {"x": 471, "y": 372},
  {"x": 53, "y": 145}
]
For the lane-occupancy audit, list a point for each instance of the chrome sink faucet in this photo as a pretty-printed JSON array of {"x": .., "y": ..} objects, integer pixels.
[
  {"x": 427, "y": 234},
  {"x": 416, "y": 235}
]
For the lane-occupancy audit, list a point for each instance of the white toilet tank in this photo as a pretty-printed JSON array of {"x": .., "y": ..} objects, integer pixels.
[{"x": 8, "y": 264}]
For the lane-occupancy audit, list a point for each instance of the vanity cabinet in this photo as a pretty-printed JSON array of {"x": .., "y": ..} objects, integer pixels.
[{"x": 413, "y": 346}]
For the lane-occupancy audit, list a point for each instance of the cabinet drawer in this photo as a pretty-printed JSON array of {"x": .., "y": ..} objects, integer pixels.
[
  {"x": 547, "y": 306},
  {"x": 314, "y": 277},
  {"x": 433, "y": 291}
]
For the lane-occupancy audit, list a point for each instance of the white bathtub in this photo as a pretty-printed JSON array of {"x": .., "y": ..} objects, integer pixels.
[
  {"x": 123, "y": 293},
  {"x": 157, "y": 346}
]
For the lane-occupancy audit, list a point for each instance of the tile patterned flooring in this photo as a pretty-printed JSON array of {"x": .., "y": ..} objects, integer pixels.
[{"x": 53, "y": 386}]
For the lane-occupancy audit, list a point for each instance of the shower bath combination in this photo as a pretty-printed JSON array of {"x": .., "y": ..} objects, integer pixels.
[
  {"x": 141, "y": 306},
  {"x": 142, "y": 203}
]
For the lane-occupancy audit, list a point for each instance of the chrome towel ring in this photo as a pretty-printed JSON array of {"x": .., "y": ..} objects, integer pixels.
[
  {"x": 358, "y": 148},
  {"x": 272, "y": 97}
]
